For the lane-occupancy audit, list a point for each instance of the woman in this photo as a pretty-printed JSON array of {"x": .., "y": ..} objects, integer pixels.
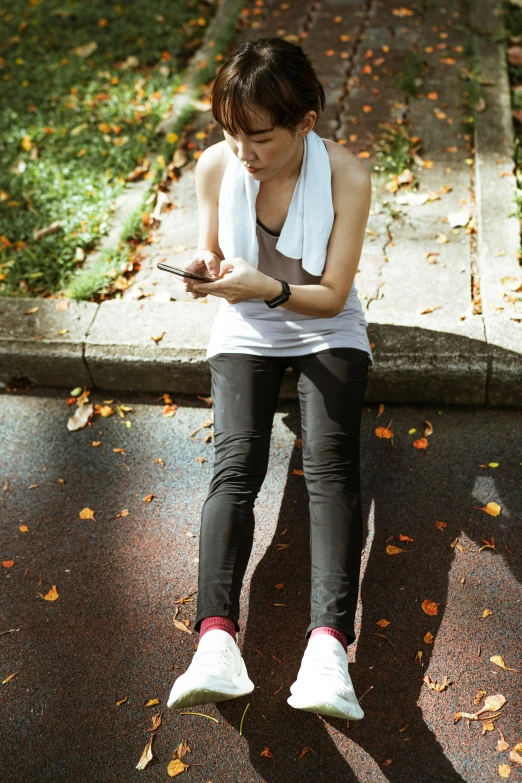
[{"x": 267, "y": 99}]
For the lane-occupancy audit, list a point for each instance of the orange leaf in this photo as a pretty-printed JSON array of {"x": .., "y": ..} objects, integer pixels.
[
  {"x": 420, "y": 443},
  {"x": 441, "y": 525},
  {"x": 394, "y": 550},
  {"x": 383, "y": 623},
  {"x": 148, "y": 498},
  {"x": 8, "y": 563},
  {"x": 405, "y": 538},
  {"x": 87, "y": 513},
  {"x": 430, "y": 607},
  {"x": 52, "y": 595}
]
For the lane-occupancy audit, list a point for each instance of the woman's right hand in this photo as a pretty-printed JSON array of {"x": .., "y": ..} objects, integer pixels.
[{"x": 203, "y": 262}]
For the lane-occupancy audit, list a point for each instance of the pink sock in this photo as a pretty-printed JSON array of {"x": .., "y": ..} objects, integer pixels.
[
  {"x": 223, "y": 623},
  {"x": 339, "y": 635}
]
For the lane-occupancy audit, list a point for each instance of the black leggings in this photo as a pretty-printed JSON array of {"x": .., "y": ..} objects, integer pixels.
[{"x": 245, "y": 391}]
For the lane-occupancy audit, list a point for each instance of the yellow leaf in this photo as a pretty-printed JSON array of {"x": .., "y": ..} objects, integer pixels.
[
  {"x": 428, "y": 638},
  {"x": 52, "y": 595},
  {"x": 86, "y": 513},
  {"x": 27, "y": 143},
  {"x": 151, "y": 702},
  {"x": 172, "y": 138},
  {"x": 8, "y": 679},
  {"x": 486, "y": 613},
  {"x": 30, "y": 312},
  {"x": 176, "y": 767},
  {"x": 504, "y": 770},
  {"x": 394, "y": 550},
  {"x": 23, "y": 528},
  {"x": 106, "y": 411},
  {"x": 498, "y": 659}
]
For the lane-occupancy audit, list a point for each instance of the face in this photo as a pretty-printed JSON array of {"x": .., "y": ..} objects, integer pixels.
[{"x": 270, "y": 152}]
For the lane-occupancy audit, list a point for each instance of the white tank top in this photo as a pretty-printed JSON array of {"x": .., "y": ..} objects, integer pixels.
[{"x": 253, "y": 327}]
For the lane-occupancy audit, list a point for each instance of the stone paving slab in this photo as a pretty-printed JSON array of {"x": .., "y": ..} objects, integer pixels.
[{"x": 55, "y": 359}]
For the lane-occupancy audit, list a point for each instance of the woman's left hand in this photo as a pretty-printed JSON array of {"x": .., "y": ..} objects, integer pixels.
[{"x": 239, "y": 281}]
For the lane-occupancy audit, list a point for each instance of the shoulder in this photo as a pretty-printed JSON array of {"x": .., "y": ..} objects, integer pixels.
[{"x": 350, "y": 177}]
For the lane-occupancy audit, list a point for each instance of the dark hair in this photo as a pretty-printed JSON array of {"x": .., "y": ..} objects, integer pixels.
[{"x": 270, "y": 73}]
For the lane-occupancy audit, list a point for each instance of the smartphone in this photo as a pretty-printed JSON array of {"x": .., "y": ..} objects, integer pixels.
[{"x": 183, "y": 273}]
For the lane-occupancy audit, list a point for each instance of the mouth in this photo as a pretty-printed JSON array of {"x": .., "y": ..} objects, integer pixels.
[{"x": 250, "y": 168}]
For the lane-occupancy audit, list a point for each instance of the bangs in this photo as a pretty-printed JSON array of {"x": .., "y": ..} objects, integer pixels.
[{"x": 234, "y": 108}]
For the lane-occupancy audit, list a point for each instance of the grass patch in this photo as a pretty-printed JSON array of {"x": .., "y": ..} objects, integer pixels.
[{"x": 84, "y": 86}]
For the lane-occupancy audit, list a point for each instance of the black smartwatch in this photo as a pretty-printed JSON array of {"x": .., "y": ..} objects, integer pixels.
[{"x": 282, "y": 298}]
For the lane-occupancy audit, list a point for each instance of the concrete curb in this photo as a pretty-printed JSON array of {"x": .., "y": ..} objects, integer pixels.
[{"x": 418, "y": 359}]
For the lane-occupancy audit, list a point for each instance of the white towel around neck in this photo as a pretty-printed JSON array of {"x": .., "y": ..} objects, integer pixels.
[{"x": 310, "y": 218}]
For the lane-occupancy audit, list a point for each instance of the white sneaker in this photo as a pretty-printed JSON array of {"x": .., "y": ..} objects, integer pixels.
[
  {"x": 217, "y": 673},
  {"x": 323, "y": 684}
]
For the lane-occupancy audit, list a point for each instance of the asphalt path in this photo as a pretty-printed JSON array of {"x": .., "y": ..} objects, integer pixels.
[{"x": 109, "y": 636}]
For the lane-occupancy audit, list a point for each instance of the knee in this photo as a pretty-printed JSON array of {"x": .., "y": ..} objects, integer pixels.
[{"x": 330, "y": 454}]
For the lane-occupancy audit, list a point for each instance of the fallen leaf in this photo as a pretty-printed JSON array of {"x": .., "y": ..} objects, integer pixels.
[
  {"x": 502, "y": 744},
  {"x": 123, "y": 513},
  {"x": 436, "y": 686},
  {"x": 52, "y": 595},
  {"x": 420, "y": 443},
  {"x": 514, "y": 756},
  {"x": 504, "y": 770},
  {"x": 181, "y": 626},
  {"x": 486, "y": 613},
  {"x": 151, "y": 702},
  {"x": 170, "y": 410},
  {"x": 383, "y": 623},
  {"x": 146, "y": 756},
  {"x": 105, "y": 411},
  {"x": 491, "y": 704},
  {"x": 8, "y": 679},
  {"x": 498, "y": 659},
  {"x": 148, "y": 498},
  {"x": 87, "y": 513},
  {"x": 156, "y": 722},
  {"x": 8, "y": 563},
  {"x": 405, "y": 538},
  {"x": 86, "y": 50},
  {"x": 394, "y": 550},
  {"x": 81, "y": 417},
  {"x": 441, "y": 525},
  {"x": 176, "y": 767},
  {"x": 428, "y": 638},
  {"x": 493, "y": 509},
  {"x": 430, "y": 607},
  {"x": 158, "y": 337},
  {"x": 266, "y": 753}
]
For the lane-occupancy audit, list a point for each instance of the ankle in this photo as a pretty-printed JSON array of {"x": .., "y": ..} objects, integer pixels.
[
  {"x": 339, "y": 635},
  {"x": 222, "y": 623}
]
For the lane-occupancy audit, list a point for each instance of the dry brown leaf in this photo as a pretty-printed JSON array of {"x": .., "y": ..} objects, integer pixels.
[
  {"x": 441, "y": 525},
  {"x": 146, "y": 756},
  {"x": 502, "y": 744},
  {"x": 156, "y": 723},
  {"x": 491, "y": 704},
  {"x": 383, "y": 623},
  {"x": 498, "y": 659},
  {"x": 435, "y": 686},
  {"x": 81, "y": 417},
  {"x": 428, "y": 638},
  {"x": 266, "y": 752},
  {"x": 181, "y": 626},
  {"x": 394, "y": 550}
]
